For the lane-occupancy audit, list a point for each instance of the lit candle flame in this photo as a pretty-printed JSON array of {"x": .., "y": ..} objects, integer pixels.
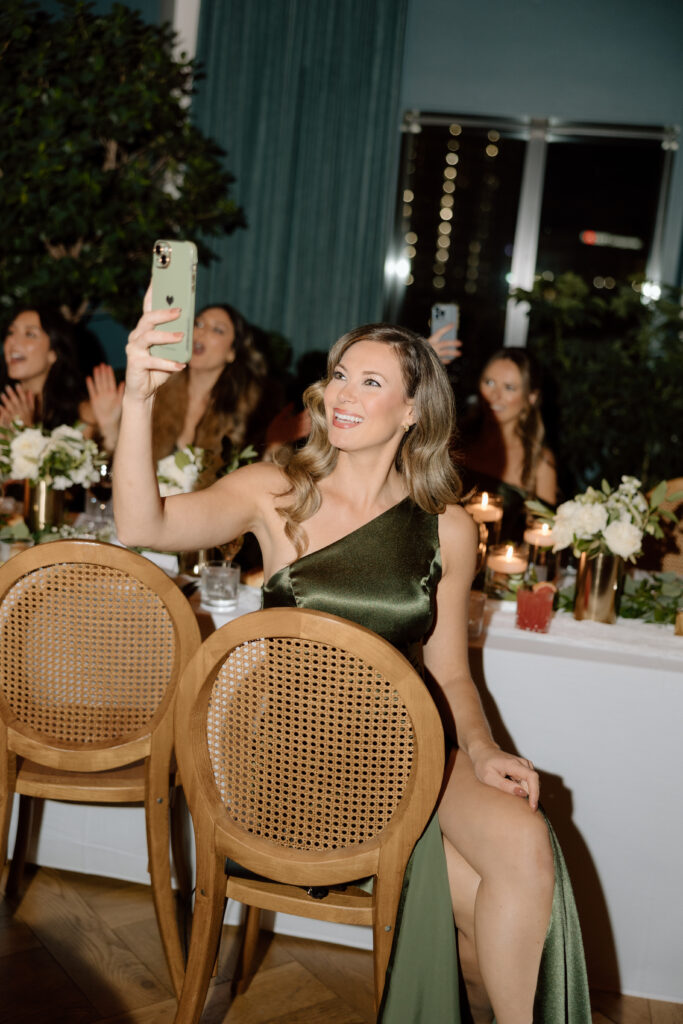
[
  {"x": 509, "y": 553},
  {"x": 545, "y": 528},
  {"x": 484, "y": 499}
]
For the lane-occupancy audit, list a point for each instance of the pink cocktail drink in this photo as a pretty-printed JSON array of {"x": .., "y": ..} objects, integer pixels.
[{"x": 535, "y": 609}]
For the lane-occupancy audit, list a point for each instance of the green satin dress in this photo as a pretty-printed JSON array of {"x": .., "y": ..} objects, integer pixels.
[{"x": 384, "y": 576}]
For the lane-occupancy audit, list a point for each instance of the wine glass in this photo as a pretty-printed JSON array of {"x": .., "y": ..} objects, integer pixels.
[{"x": 99, "y": 493}]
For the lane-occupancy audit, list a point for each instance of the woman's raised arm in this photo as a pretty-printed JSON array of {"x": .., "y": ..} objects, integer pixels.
[{"x": 143, "y": 518}]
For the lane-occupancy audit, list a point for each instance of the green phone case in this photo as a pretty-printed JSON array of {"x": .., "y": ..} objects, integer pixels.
[{"x": 174, "y": 281}]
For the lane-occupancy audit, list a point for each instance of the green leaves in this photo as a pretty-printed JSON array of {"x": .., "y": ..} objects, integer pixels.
[
  {"x": 612, "y": 367},
  {"x": 655, "y": 599},
  {"x": 96, "y": 123}
]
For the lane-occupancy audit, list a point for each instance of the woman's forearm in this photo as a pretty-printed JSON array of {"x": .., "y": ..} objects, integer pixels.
[{"x": 138, "y": 508}]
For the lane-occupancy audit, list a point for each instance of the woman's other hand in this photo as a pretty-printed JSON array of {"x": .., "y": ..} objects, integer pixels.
[
  {"x": 106, "y": 397},
  {"x": 512, "y": 774},
  {"x": 17, "y": 403},
  {"x": 146, "y": 373},
  {"x": 446, "y": 349}
]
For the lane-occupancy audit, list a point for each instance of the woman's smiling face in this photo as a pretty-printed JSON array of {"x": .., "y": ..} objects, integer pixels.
[
  {"x": 502, "y": 389},
  {"x": 27, "y": 351},
  {"x": 365, "y": 400}
]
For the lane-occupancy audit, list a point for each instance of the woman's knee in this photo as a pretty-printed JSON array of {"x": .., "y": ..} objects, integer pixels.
[{"x": 525, "y": 852}]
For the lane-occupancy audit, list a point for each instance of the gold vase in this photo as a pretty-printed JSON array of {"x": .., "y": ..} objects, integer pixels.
[
  {"x": 598, "y": 585},
  {"x": 43, "y": 506}
]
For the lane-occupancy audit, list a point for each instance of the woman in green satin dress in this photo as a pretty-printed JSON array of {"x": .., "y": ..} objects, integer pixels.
[{"x": 378, "y": 447}]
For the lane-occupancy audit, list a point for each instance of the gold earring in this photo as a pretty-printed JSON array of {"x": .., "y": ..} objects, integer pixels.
[{"x": 406, "y": 427}]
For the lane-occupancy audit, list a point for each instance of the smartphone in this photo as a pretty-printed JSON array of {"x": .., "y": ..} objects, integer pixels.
[
  {"x": 174, "y": 283},
  {"x": 447, "y": 313}
]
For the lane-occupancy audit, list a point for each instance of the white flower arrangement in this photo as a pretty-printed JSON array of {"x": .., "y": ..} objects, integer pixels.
[
  {"x": 608, "y": 521},
  {"x": 179, "y": 472},
  {"x": 62, "y": 457}
]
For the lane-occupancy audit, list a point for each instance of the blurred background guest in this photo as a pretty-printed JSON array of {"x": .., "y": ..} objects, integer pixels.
[
  {"x": 44, "y": 381},
  {"x": 502, "y": 440},
  {"x": 215, "y": 403}
]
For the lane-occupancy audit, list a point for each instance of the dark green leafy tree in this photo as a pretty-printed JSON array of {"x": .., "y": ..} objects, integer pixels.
[
  {"x": 98, "y": 158},
  {"x": 612, "y": 368}
]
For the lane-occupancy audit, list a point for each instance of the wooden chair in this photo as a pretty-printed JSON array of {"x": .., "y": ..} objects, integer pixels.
[
  {"x": 311, "y": 756},
  {"x": 93, "y": 641}
]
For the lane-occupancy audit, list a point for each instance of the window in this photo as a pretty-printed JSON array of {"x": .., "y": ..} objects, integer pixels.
[{"x": 485, "y": 204}]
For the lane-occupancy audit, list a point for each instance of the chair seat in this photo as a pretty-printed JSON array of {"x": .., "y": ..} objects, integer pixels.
[{"x": 114, "y": 786}]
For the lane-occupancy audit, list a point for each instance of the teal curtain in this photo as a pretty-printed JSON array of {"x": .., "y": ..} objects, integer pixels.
[{"x": 304, "y": 96}]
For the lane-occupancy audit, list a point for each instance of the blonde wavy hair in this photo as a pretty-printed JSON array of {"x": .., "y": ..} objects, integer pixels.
[{"x": 422, "y": 457}]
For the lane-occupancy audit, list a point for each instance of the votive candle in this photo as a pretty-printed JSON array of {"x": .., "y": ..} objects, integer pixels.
[
  {"x": 485, "y": 508},
  {"x": 539, "y": 535},
  {"x": 509, "y": 559}
]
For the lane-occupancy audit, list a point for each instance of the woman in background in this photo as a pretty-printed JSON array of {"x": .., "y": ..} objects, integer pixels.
[
  {"x": 213, "y": 403},
  {"x": 45, "y": 385},
  {"x": 503, "y": 449}
]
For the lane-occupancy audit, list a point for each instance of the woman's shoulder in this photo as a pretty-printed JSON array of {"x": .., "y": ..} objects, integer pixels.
[
  {"x": 458, "y": 538},
  {"x": 546, "y": 455},
  {"x": 456, "y": 525}
]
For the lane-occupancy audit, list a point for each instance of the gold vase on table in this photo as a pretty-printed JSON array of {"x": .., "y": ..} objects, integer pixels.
[
  {"x": 43, "y": 506},
  {"x": 598, "y": 584}
]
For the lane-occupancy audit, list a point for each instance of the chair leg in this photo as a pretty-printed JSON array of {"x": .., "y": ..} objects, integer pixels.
[
  {"x": 24, "y": 828},
  {"x": 386, "y": 894},
  {"x": 206, "y": 929},
  {"x": 180, "y": 841},
  {"x": 158, "y": 850},
  {"x": 181, "y": 838},
  {"x": 8, "y": 775},
  {"x": 245, "y": 959}
]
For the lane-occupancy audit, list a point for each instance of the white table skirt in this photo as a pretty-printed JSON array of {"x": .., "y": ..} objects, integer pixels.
[{"x": 599, "y": 710}]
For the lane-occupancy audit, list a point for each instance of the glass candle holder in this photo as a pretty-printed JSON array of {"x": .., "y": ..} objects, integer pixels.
[
  {"x": 543, "y": 562},
  {"x": 487, "y": 509},
  {"x": 506, "y": 565}
]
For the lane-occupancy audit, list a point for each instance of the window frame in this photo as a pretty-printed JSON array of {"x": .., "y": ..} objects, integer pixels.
[{"x": 538, "y": 133}]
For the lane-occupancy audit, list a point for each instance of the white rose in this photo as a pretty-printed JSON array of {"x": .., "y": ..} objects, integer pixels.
[
  {"x": 26, "y": 450},
  {"x": 60, "y": 483},
  {"x": 68, "y": 433},
  {"x": 589, "y": 520},
  {"x": 563, "y": 534},
  {"x": 623, "y": 538}
]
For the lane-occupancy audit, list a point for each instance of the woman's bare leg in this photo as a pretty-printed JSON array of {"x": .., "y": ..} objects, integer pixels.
[{"x": 496, "y": 837}]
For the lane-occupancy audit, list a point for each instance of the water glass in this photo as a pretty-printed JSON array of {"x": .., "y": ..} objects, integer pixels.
[{"x": 218, "y": 586}]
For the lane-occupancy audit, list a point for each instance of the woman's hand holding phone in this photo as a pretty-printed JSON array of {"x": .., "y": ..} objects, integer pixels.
[{"x": 145, "y": 373}]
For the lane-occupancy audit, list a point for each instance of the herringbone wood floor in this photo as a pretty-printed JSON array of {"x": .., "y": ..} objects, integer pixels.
[{"x": 76, "y": 949}]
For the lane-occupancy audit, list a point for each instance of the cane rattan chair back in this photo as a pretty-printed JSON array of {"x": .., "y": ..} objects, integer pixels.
[
  {"x": 93, "y": 641},
  {"x": 312, "y": 756}
]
